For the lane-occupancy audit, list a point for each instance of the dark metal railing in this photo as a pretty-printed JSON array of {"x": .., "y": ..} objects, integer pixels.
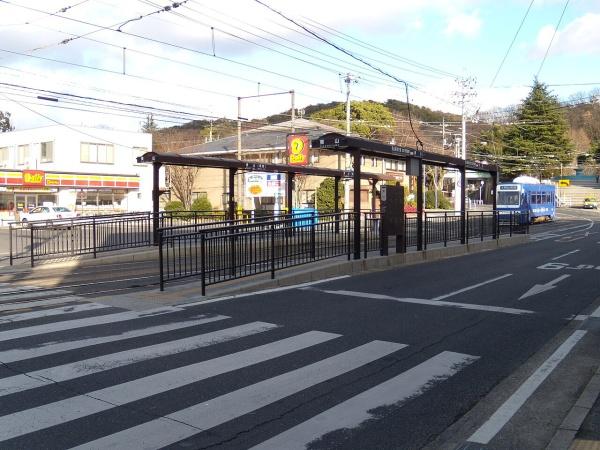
[
  {"x": 78, "y": 236},
  {"x": 235, "y": 251},
  {"x": 96, "y": 234}
]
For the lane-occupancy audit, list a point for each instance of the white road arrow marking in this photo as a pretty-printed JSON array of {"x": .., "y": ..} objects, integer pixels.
[{"x": 539, "y": 288}]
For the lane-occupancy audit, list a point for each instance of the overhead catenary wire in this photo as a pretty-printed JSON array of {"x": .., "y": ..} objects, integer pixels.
[
  {"x": 552, "y": 39},
  {"x": 511, "y": 44},
  {"x": 352, "y": 56}
]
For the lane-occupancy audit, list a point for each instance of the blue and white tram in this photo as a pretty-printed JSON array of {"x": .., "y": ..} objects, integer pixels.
[{"x": 536, "y": 200}]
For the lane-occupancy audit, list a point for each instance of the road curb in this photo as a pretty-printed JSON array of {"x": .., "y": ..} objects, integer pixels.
[
  {"x": 332, "y": 268},
  {"x": 564, "y": 437}
]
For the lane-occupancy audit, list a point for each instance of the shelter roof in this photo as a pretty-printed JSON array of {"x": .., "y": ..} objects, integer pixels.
[{"x": 267, "y": 138}]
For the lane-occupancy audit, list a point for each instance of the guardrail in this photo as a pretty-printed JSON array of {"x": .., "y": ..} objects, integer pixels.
[
  {"x": 221, "y": 253},
  {"x": 78, "y": 236},
  {"x": 225, "y": 253},
  {"x": 96, "y": 234}
]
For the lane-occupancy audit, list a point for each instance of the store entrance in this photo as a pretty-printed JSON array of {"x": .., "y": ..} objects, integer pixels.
[{"x": 25, "y": 202}]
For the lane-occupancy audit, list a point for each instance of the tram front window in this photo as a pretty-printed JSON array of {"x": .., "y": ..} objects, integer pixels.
[{"x": 508, "y": 198}]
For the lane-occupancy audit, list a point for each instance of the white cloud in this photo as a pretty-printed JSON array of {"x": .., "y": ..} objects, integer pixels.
[
  {"x": 581, "y": 36},
  {"x": 467, "y": 25}
]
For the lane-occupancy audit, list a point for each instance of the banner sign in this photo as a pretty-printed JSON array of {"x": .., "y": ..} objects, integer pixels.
[
  {"x": 297, "y": 149},
  {"x": 261, "y": 184},
  {"x": 33, "y": 178}
]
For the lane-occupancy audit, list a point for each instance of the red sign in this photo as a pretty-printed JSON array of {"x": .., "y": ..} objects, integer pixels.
[
  {"x": 297, "y": 149},
  {"x": 33, "y": 178}
]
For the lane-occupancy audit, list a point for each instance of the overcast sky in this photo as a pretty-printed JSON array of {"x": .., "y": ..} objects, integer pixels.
[{"x": 199, "y": 57}]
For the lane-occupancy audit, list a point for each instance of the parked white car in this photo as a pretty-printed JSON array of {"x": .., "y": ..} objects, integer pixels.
[{"x": 47, "y": 213}]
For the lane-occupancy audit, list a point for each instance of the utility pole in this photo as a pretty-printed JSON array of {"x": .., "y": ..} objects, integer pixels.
[
  {"x": 348, "y": 80},
  {"x": 466, "y": 91},
  {"x": 240, "y": 183}
]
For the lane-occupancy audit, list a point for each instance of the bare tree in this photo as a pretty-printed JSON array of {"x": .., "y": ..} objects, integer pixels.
[
  {"x": 180, "y": 179},
  {"x": 299, "y": 184}
]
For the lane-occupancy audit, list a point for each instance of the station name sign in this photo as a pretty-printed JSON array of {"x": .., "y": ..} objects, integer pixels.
[{"x": 405, "y": 151}]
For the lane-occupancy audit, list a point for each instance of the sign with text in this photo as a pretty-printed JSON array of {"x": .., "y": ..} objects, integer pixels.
[
  {"x": 33, "y": 178},
  {"x": 260, "y": 184},
  {"x": 297, "y": 149}
]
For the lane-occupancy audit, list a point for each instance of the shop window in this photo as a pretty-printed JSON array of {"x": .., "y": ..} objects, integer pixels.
[
  {"x": 3, "y": 156},
  {"x": 97, "y": 153},
  {"x": 22, "y": 154},
  {"x": 47, "y": 152}
]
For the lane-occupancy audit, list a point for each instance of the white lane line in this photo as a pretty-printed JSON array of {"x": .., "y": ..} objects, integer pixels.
[
  {"x": 353, "y": 412},
  {"x": 596, "y": 313},
  {"x": 211, "y": 413},
  {"x": 63, "y": 411},
  {"x": 264, "y": 291},
  {"x": 80, "y": 323},
  {"x": 68, "y": 309},
  {"x": 475, "y": 286},
  {"x": 496, "y": 422},
  {"x": 37, "y": 303},
  {"x": 32, "y": 294},
  {"x": 70, "y": 371},
  {"x": 566, "y": 254},
  {"x": 45, "y": 349},
  {"x": 422, "y": 301}
]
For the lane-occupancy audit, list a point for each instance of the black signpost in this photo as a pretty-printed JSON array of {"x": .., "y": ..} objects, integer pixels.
[{"x": 392, "y": 217}]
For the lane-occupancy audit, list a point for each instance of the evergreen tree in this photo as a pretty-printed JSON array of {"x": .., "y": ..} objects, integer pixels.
[
  {"x": 538, "y": 140},
  {"x": 5, "y": 122}
]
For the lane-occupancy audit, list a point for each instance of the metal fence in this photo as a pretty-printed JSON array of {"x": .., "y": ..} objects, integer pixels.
[
  {"x": 96, "y": 234},
  {"x": 78, "y": 236},
  {"x": 234, "y": 251},
  {"x": 217, "y": 254}
]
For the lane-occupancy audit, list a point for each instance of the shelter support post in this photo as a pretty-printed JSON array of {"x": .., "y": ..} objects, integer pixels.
[
  {"x": 494, "y": 187},
  {"x": 463, "y": 212},
  {"x": 420, "y": 207},
  {"x": 356, "y": 167},
  {"x": 155, "y": 200},
  {"x": 231, "y": 195},
  {"x": 289, "y": 192},
  {"x": 336, "y": 202}
]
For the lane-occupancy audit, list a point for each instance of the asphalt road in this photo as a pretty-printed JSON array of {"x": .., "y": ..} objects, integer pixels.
[{"x": 488, "y": 350}]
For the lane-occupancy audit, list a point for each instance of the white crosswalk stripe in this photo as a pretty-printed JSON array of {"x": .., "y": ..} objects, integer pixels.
[
  {"x": 52, "y": 414},
  {"x": 166, "y": 424},
  {"x": 67, "y": 309},
  {"x": 209, "y": 414},
  {"x": 37, "y": 303},
  {"x": 50, "y": 348},
  {"x": 353, "y": 412},
  {"x": 80, "y": 323},
  {"x": 31, "y": 294},
  {"x": 90, "y": 366}
]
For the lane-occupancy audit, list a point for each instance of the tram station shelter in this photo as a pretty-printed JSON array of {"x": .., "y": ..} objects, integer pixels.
[{"x": 358, "y": 148}]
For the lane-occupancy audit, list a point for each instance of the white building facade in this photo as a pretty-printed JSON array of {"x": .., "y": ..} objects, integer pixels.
[{"x": 88, "y": 170}]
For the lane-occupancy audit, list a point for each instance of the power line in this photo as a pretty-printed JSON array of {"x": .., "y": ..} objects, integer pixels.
[
  {"x": 552, "y": 40},
  {"x": 512, "y": 42},
  {"x": 180, "y": 47},
  {"x": 352, "y": 56}
]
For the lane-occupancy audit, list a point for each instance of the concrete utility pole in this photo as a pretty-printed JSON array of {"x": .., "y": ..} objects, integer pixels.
[
  {"x": 240, "y": 179},
  {"x": 463, "y": 97},
  {"x": 349, "y": 79}
]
